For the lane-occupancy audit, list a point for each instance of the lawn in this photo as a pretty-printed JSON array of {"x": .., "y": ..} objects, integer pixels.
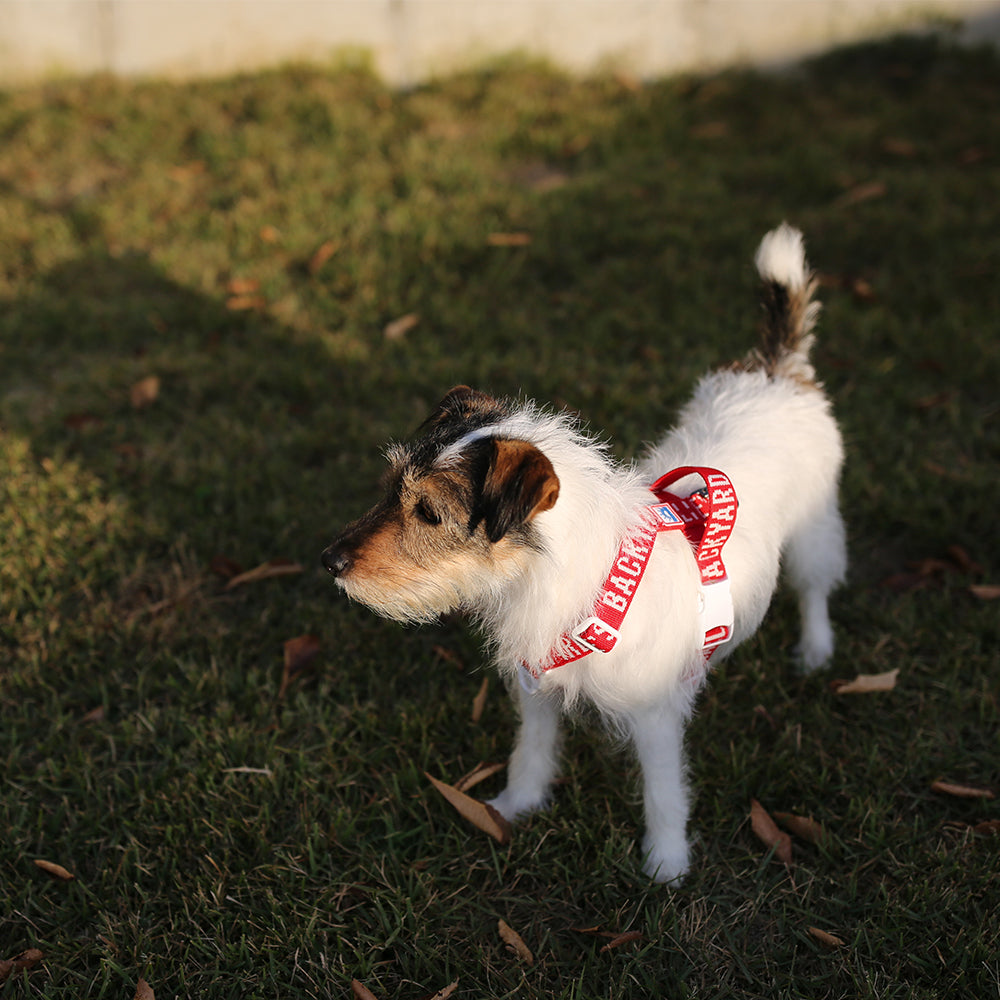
[{"x": 221, "y": 299}]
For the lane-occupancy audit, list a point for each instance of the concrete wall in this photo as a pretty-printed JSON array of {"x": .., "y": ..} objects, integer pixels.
[{"x": 409, "y": 40}]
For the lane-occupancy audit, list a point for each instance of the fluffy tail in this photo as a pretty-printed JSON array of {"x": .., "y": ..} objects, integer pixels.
[{"x": 789, "y": 310}]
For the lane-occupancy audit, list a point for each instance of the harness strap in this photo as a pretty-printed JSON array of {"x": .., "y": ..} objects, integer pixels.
[{"x": 706, "y": 518}]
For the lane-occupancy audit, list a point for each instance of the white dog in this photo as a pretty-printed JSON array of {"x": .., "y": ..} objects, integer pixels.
[{"x": 588, "y": 585}]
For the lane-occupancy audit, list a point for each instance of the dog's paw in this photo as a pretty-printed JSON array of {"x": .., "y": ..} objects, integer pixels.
[
  {"x": 513, "y": 806},
  {"x": 666, "y": 862},
  {"x": 814, "y": 652}
]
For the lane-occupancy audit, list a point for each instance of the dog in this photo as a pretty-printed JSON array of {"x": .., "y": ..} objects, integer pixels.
[{"x": 590, "y": 587}]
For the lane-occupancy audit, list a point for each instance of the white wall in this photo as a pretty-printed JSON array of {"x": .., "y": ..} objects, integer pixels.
[{"x": 409, "y": 40}]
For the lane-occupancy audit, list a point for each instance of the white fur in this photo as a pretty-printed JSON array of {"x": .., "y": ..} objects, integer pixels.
[{"x": 777, "y": 441}]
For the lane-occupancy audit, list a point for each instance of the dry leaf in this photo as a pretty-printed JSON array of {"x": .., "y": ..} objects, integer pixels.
[
  {"x": 862, "y": 192},
  {"x": 322, "y": 255},
  {"x": 480, "y": 814},
  {"x": 711, "y": 130},
  {"x": 361, "y": 991},
  {"x": 19, "y": 963},
  {"x": 144, "y": 392},
  {"x": 448, "y": 655},
  {"x": 143, "y": 991},
  {"x": 241, "y": 303},
  {"x": 803, "y": 827},
  {"x": 830, "y": 940},
  {"x": 988, "y": 827},
  {"x": 269, "y": 234},
  {"x": 867, "y": 683},
  {"x": 479, "y": 702},
  {"x": 479, "y": 773},
  {"x": 899, "y": 147},
  {"x": 243, "y": 286},
  {"x": 985, "y": 591},
  {"x": 935, "y": 400},
  {"x": 81, "y": 421},
  {"x": 962, "y": 559},
  {"x": 508, "y": 239},
  {"x": 94, "y": 715},
  {"x": 443, "y": 993},
  {"x": 265, "y": 571},
  {"x": 399, "y": 328},
  {"x": 513, "y": 940},
  {"x": 620, "y": 939},
  {"x": 299, "y": 655},
  {"x": 959, "y": 791},
  {"x": 224, "y": 567},
  {"x": 56, "y": 871},
  {"x": 768, "y": 832}
]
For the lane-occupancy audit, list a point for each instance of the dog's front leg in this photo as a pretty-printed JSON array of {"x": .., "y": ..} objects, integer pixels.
[
  {"x": 658, "y": 734},
  {"x": 533, "y": 763}
]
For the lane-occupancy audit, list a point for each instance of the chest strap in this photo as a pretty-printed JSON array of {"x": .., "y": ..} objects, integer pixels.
[{"x": 706, "y": 518}]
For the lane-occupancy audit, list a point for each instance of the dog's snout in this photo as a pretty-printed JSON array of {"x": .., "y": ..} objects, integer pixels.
[{"x": 336, "y": 560}]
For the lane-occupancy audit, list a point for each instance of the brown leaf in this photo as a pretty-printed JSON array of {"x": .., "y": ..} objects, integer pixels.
[
  {"x": 627, "y": 938},
  {"x": 56, "y": 871},
  {"x": 710, "y": 130},
  {"x": 900, "y": 147},
  {"x": 825, "y": 938},
  {"x": 985, "y": 591},
  {"x": 866, "y": 683},
  {"x": 480, "y": 814},
  {"x": 269, "y": 234},
  {"x": 299, "y": 655},
  {"x": 265, "y": 571},
  {"x": 961, "y": 791},
  {"x": 323, "y": 253},
  {"x": 144, "y": 392},
  {"x": 862, "y": 192},
  {"x": 94, "y": 715},
  {"x": 508, "y": 239},
  {"x": 81, "y": 421},
  {"x": 803, "y": 827},
  {"x": 185, "y": 171},
  {"x": 963, "y": 560},
  {"x": 143, "y": 991},
  {"x": 863, "y": 290},
  {"x": 448, "y": 655},
  {"x": 399, "y": 328},
  {"x": 242, "y": 286},
  {"x": 243, "y": 303},
  {"x": 361, "y": 991},
  {"x": 988, "y": 827},
  {"x": 443, "y": 993},
  {"x": 769, "y": 834},
  {"x": 935, "y": 400},
  {"x": 479, "y": 702},
  {"x": 479, "y": 773},
  {"x": 514, "y": 941},
  {"x": 224, "y": 567},
  {"x": 19, "y": 963}
]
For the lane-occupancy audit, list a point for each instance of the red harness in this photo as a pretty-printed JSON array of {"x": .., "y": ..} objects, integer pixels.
[{"x": 706, "y": 518}]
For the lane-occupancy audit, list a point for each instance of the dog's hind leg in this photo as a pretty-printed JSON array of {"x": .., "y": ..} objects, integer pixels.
[
  {"x": 816, "y": 561},
  {"x": 658, "y": 734},
  {"x": 533, "y": 763}
]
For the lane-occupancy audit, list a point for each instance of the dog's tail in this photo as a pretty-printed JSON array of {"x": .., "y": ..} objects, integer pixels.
[{"x": 789, "y": 310}]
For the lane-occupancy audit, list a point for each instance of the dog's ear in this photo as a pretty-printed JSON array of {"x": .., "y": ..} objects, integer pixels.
[
  {"x": 461, "y": 403},
  {"x": 515, "y": 482}
]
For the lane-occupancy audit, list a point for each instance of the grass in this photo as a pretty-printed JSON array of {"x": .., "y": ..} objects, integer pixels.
[{"x": 246, "y": 242}]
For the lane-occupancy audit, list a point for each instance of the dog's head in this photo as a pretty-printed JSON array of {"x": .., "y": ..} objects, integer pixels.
[{"x": 456, "y": 520}]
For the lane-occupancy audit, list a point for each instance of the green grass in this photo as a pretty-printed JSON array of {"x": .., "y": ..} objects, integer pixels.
[{"x": 127, "y": 211}]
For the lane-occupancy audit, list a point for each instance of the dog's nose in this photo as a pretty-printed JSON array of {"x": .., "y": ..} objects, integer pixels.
[{"x": 336, "y": 560}]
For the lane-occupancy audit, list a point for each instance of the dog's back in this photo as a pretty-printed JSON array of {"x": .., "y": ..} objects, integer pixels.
[{"x": 767, "y": 422}]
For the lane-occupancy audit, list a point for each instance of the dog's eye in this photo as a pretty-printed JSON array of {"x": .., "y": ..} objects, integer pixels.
[{"x": 425, "y": 514}]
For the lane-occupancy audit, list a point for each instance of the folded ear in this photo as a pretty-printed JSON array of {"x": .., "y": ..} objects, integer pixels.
[{"x": 518, "y": 482}]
